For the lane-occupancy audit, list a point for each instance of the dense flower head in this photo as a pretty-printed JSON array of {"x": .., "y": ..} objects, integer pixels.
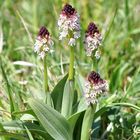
[
  {"x": 95, "y": 86},
  {"x": 43, "y": 42},
  {"x": 93, "y": 40},
  {"x": 69, "y": 24}
]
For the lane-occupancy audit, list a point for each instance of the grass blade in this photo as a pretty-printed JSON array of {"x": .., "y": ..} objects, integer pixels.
[{"x": 9, "y": 91}]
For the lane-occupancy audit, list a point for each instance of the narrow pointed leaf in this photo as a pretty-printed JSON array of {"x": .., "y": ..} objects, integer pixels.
[{"x": 12, "y": 108}]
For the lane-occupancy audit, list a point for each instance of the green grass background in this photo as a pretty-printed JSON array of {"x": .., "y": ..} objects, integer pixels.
[{"x": 119, "y": 23}]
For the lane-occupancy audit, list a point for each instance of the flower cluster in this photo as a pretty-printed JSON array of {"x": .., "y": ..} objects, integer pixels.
[
  {"x": 93, "y": 39},
  {"x": 94, "y": 87},
  {"x": 43, "y": 42},
  {"x": 69, "y": 24},
  {"x": 69, "y": 27}
]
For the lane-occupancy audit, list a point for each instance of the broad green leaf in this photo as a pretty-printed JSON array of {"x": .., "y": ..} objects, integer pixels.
[
  {"x": 73, "y": 118},
  {"x": 57, "y": 93},
  {"x": 52, "y": 121},
  {"x": 80, "y": 84},
  {"x": 82, "y": 105},
  {"x": 67, "y": 101}
]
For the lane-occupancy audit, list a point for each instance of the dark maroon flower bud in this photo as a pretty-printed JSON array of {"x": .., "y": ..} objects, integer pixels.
[
  {"x": 43, "y": 32},
  {"x": 92, "y": 29},
  {"x": 94, "y": 78},
  {"x": 68, "y": 10}
]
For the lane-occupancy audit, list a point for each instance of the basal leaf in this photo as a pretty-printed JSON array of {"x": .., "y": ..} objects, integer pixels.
[
  {"x": 57, "y": 93},
  {"x": 80, "y": 109},
  {"x": 52, "y": 121},
  {"x": 67, "y": 101}
]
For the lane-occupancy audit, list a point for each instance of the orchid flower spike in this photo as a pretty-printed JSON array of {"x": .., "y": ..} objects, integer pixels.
[
  {"x": 92, "y": 41},
  {"x": 43, "y": 43},
  {"x": 69, "y": 24},
  {"x": 95, "y": 86}
]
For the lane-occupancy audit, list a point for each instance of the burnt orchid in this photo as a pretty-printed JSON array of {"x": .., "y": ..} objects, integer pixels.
[
  {"x": 43, "y": 43},
  {"x": 92, "y": 41},
  {"x": 95, "y": 87},
  {"x": 69, "y": 28},
  {"x": 69, "y": 24}
]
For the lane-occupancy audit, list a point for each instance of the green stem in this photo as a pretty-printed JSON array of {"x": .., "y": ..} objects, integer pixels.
[
  {"x": 127, "y": 15},
  {"x": 46, "y": 87},
  {"x": 87, "y": 122},
  {"x": 71, "y": 66},
  {"x": 94, "y": 64}
]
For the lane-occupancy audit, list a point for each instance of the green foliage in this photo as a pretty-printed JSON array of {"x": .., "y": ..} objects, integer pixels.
[
  {"x": 53, "y": 122},
  {"x": 57, "y": 94},
  {"x": 23, "y": 112}
]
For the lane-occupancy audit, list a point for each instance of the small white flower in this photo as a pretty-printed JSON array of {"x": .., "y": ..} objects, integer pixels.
[
  {"x": 93, "y": 94},
  {"x": 46, "y": 48},
  {"x": 76, "y": 34},
  {"x": 42, "y": 54},
  {"x": 24, "y": 82},
  {"x": 37, "y": 48},
  {"x": 87, "y": 95},
  {"x": 71, "y": 42}
]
